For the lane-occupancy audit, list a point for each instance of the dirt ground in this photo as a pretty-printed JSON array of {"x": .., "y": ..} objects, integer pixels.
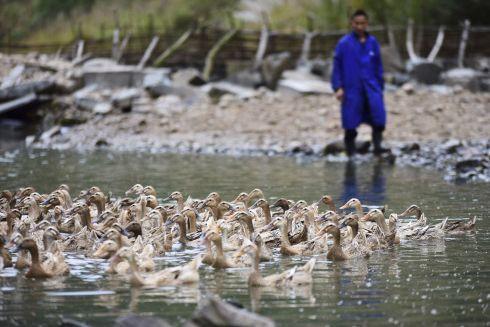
[{"x": 280, "y": 121}]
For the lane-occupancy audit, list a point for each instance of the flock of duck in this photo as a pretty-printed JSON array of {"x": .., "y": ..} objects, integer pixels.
[{"x": 130, "y": 231}]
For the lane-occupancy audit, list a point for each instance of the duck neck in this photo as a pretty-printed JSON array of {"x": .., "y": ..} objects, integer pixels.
[
  {"x": 219, "y": 248},
  {"x": 380, "y": 220},
  {"x": 256, "y": 261},
  {"x": 284, "y": 236},
  {"x": 331, "y": 206},
  {"x": 10, "y": 224},
  {"x": 183, "y": 232},
  {"x": 180, "y": 204},
  {"x": 217, "y": 212},
  {"x": 192, "y": 222},
  {"x": 34, "y": 211},
  {"x": 419, "y": 214},
  {"x": 358, "y": 208},
  {"x": 100, "y": 204},
  {"x": 267, "y": 213},
  {"x": 86, "y": 218},
  {"x": 34, "y": 251},
  {"x": 336, "y": 238},
  {"x": 355, "y": 229}
]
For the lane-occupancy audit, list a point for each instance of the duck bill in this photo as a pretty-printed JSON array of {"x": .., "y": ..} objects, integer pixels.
[
  {"x": 365, "y": 218},
  {"x": 344, "y": 207}
]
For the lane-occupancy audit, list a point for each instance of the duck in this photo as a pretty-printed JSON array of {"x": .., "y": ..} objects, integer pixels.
[
  {"x": 220, "y": 261},
  {"x": 37, "y": 269},
  {"x": 264, "y": 205},
  {"x": 184, "y": 239},
  {"x": 459, "y": 226},
  {"x": 376, "y": 215},
  {"x": 327, "y": 200},
  {"x": 291, "y": 277},
  {"x": 286, "y": 248},
  {"x": 179, "y": 275},
  {"x": 4, "y": 254},
  {"x": 355, "y": 204},
  {"x": 336, "y": 252}
]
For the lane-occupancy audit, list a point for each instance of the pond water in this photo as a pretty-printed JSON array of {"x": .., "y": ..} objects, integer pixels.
[{"x": 415, "y": 283}]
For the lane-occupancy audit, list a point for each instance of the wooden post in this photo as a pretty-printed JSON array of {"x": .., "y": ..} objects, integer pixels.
[
  {"x": 115, "y": 43},
  {"x": 79, "y": 53},
  {"x": 173, "y": 48},
  {"x": 462, "y": 43},
  {"x": 437, "y": 45},
  {"x": 264, "y": 39},
  {"x": 409, "y": 42},
  {"x": 148, "y": 52},
  {"x": 305, "y": 49},
  {"x": 121, "y": 49},
  {"x": 209, "y": 63}
]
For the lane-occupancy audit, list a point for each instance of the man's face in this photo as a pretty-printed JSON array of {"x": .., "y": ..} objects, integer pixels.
[{"x": 359, "y": 24}]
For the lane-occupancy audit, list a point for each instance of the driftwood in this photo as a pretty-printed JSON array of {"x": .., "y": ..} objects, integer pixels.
[
  {"x": 306, "y": 48},
  {"x": 13, "y": 76},
  {"x": 211, "y": 56},
  {"x": 79, "y": 53},
  {"x": 173, "y": 48},
  {"x": 216, "y": 312},
  {"x": 18, "y": 103},
  {"x": 120, "y": 50},
  {"x": 148, "y": 52},
  {"x": 462, "y": 44},
  {"x": 409, "y": 43},
  {"x": 20, "y": 90},
  {"x": 437, "y": 46},
  {"x": 263, "y": 41}
]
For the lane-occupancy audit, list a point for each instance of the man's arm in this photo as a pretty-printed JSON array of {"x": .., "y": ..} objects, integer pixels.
[
  {"x": 336, "y": 81},
  {"x": 379, "y": 67}
]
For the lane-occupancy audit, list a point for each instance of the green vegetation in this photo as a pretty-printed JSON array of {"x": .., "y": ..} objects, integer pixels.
[{"x": 53, "y": 21}]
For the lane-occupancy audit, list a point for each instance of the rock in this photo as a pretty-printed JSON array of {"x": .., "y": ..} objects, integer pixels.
[
  {"x": 303, "y": 148},
  {"x": 123, "y": 98},
  {"x": 217, "y": 89},
  {"x": 273, "y": 67},
  {"x": 451, "y": 146},
  {"x": 188, "y": 76},
  {"x": 246, "y": 78},
  {"x": 102, "y": 108},
  {"x": 426, "y": 73},
  {"x": 26, "y": 88},
  {"x": 13, "y": 76},
  {"x": 465, "y": 166},
  {"x": 169, "y": 104},
  {"x": 101, "y": 143},
  {"x": 333, "y": 148},
  {"x": 50, "y": 133},
  {"x": 216, "y": 312},
  {"x": 466, "y": 77},
  {"x": 304, "y": 83},
  {"x": 410, "y": 148},
  {"x": 140, "y": 321},
  {"x": 408, "y": 88}
]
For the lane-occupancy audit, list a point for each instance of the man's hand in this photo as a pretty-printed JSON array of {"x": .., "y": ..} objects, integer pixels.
[{"x": 340, "y": 94}]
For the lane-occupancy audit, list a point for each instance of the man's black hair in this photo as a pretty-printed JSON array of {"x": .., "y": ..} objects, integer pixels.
[{"x": 359, "y": 12}]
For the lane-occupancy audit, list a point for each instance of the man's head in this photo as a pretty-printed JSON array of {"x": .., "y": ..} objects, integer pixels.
[{"x": 359, "y": 21}]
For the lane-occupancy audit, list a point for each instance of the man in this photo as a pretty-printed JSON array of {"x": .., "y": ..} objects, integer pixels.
[{"x": 357, "y": 80}]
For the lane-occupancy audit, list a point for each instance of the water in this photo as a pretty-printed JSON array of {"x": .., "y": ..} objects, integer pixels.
[{"x": 415, "y": 283}]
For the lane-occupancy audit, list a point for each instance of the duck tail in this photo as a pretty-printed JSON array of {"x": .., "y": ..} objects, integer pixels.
[
  {"x": 472, "y": 222},
  {"x": 308, "y": 267}
]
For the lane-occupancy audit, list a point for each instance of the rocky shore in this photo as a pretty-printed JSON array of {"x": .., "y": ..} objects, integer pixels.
[{"x": 444, "y": 129}]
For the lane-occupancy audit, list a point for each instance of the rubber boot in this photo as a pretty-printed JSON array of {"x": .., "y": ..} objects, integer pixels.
[
  {"x": 377, "y": 138},
  {"x": 350, "y": 142}
]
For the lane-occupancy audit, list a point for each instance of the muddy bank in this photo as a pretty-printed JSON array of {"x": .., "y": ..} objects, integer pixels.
[{"x": 426, "y": 127}]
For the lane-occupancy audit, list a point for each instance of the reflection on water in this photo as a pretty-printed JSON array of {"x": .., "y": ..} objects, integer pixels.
[
  {"x": 415, "y": 283},
  {"x": 374, "y": 193}
]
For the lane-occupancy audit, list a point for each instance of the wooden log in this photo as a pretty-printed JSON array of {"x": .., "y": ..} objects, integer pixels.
[
  {"x": 306, "y": 48},
  {"x": 79, "y": 53},
  {"x": 209, "y": 63},
  {"x": 148, "y": 52},
  {"x": 18, "y": 103},
  {"x": 437, "y": 45},
  {"x": 462, "y": 43},
  {"x": 20, "y": 90},
  {"x": 122, "y": 48},
  {"x": 173, "y": 48}
]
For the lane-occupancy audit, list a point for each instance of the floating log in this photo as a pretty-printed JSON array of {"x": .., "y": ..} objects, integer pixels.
[
  {"x": 148, "y": 52},
  {"x": 18, "y": 103},
  {"x": 173, "y": 48}
]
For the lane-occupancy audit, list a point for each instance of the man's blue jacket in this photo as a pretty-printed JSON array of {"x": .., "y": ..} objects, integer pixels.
[{"x": 357, "y": 68}]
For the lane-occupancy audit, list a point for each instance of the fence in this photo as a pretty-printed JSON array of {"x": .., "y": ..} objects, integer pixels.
[{"x": 242, "y": 47}]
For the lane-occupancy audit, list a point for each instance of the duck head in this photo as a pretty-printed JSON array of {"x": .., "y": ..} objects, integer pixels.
[
  {"x": 136, "y": 189},
  {"x": 373, "y": 215},
  {"x": 282, "y": 203},
  {"x": 352, "y": 203},
  {"x": 149, "y": 190},
  {"x": 413, "y": 210},
  {"x": 133, "y": 229},
  {"x": 260, "y": 203}
]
